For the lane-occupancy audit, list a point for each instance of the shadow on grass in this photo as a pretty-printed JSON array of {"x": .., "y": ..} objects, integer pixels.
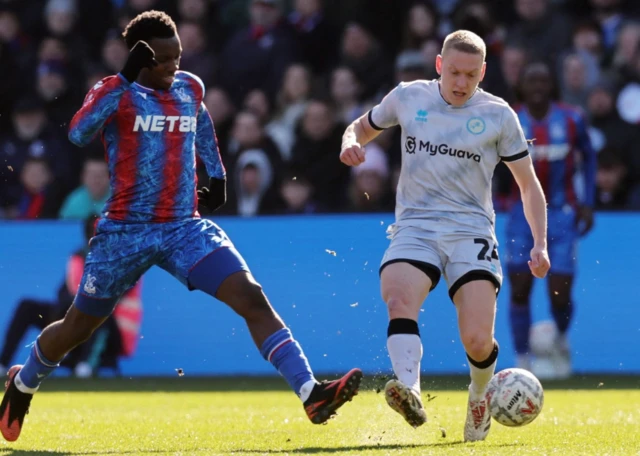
[
  {"x": 247, "y": 383},
  {"x": 371, "y": 447},
  {"x": 309, "y": 450}
]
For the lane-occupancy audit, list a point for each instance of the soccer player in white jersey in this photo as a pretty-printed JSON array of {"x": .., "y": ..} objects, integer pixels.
[{"x": 453, "y": 136}]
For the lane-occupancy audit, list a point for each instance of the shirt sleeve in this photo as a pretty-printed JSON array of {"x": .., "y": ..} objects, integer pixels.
[
  {"x": 512, "y": 144},
  {"x": 385, "y": 114}
]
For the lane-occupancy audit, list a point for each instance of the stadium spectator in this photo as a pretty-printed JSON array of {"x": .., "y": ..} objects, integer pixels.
[
  {"x": 118, "y": 337},
  {"x": 345, "y": 92},
  {"x": 297, "y": 193},
  {"x": 91, "y": 196},
  {"x": 420, "y": 24},
  {"x": 580, "y": 73},
  {"x": 545, "y": 33},
  {"x": 318, "y": 137},
  {"x": 365, "y": 55},
  {"x": 608, "y": 13},
  {"x": 410, "y": 66},
  {"x": 196, "y": 56},
  {"x": 291, "y": 103},
  {"x": 252, "y": 190},
  {"x": 609, "y": 130},
  {"x": 257, "y": 56},
  {"x": 39, "y": 196},
  {"x": 315, "y": 34},
  {"x": 611, "y": 181},
  {"x": 369, "y": 186},
  {"x": 32, "y": 137}
]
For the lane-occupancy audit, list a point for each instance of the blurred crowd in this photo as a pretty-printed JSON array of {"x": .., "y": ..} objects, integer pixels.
[{"x": 283, "y": 80}]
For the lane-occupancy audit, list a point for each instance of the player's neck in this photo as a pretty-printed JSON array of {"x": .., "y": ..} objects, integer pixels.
[
  {"x": 539, "y": 111},
  {"x": 145, "y": 82}
]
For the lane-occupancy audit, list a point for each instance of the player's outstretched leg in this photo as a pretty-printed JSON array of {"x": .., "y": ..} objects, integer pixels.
[
  {"x": 520, "y": 316},
  {"x": 476, "y": 305},
  {"x": 404, "y": 288},
  {"x": 236, "y": 287},
  {"x": 55, "y": 341}
]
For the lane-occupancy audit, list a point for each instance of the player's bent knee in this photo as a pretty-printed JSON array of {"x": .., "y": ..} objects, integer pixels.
[{"x": 477, "y": 345}]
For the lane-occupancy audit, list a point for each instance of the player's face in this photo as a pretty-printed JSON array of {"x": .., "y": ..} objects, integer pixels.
[
  {"x": 168, "y": 52},
  {"x": 460, "y": 73},
  {"x": 536, "y": 85}
]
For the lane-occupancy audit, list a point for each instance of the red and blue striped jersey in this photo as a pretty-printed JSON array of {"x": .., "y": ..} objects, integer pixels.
[
  {"x": 151, "y": 138},
  {"x": 562, "y": 155}
]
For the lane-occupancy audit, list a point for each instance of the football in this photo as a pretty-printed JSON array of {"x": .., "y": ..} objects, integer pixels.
[
  {"x": 543, "y": 337},
  {"x": 515, "y": 397}
]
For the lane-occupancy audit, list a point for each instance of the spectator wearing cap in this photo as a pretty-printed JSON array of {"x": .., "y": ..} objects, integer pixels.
[
  {"x": 369, "y": 189},
  {"x": 88, "y": 199},
  {"x": 410, "y": 66},
  {"x": 257, "y": 56},
  {"x": 32, "y": 137}
]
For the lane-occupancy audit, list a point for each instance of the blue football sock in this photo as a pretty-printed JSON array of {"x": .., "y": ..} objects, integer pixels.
[
  {"x": 562, "y": 316},
  {"x": 520, "y": 317},
  {"x": 36, "y": 369},
  {"x": 286, "y": 355}
]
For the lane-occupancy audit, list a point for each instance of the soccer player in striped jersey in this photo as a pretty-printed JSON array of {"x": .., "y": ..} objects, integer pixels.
[
  {"x": 565, "y": 163},
  {"x": 152, "y": 122}
]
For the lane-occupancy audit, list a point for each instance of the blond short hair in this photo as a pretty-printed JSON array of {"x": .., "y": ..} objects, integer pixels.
[{"x": 465, "y": 41}]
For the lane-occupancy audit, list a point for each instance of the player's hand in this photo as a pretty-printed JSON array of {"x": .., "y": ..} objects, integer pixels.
[
  {"x": 352, "y": 155},
  {"x": 140, "y": 56},
  {"x": 539, "y": 263},
  {"x": 214, "y": 196},
  {"x": 584, "y": 220}
]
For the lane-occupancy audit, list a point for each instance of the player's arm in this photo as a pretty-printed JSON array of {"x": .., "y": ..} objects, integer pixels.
[
  {"x": 589, "y": 159},
  {"x": 103, "y": 99},
  {"x": 366, "y": 128},
  {"x": 513, "y": 150},
  {"x": 99, "y": 104},
  {"x": 535, "y": 211},
  {"x": 215, "y": 195}
]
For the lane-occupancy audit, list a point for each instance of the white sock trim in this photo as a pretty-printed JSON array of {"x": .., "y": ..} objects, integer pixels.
[
  {"x": 305, "y": 390},
  {"x": 22, "y": 387}
]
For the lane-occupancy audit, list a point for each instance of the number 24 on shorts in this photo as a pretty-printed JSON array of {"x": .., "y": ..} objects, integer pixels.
[{"x": 482, "y": 255}]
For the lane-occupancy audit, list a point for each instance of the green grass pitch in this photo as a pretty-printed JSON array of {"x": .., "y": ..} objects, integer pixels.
[{"x": 593, "y": 415}]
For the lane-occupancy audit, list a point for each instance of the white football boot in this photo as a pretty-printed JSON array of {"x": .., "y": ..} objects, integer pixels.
[
  {"x": 478, "y": 422},
  {"x": 406, "y": 402}
]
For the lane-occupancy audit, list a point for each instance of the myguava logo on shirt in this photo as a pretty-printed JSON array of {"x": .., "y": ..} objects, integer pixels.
[
  {"x": 476, "y": 125},
  {"x": 410, "y": 145}
]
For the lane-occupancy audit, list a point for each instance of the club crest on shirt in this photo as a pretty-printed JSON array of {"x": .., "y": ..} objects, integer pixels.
[{"x": 476, "y": 125}]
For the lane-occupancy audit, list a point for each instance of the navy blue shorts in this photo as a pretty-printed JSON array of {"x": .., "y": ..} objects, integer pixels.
[
  {"x": 120, "y": 252},
  {"x": 562, "y": 240}
]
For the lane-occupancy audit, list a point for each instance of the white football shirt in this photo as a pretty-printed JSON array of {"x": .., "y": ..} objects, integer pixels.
[{"x": 449, "y": 153}]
